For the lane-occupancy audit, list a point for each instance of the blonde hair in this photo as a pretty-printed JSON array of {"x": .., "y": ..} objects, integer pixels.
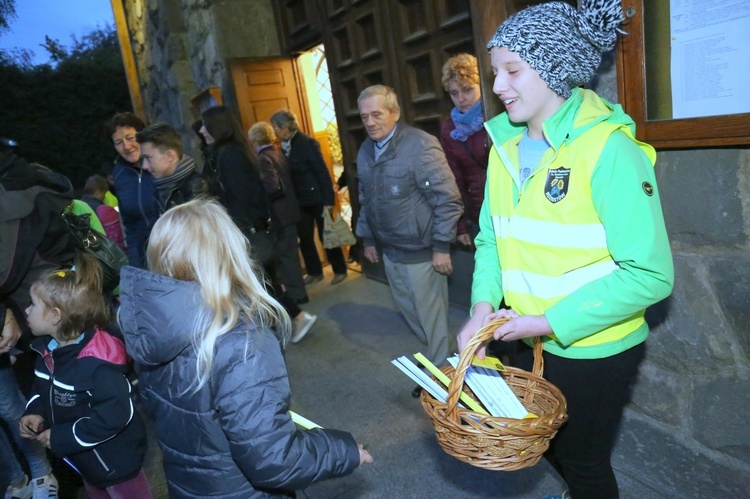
[
  {"x": 198, "y": 241},
  {"x": 390, "y": 100},
  {"x": 261, "y": 134},
  {"x": 77, "y": 294},
  {"x": 462, "y": 68}
]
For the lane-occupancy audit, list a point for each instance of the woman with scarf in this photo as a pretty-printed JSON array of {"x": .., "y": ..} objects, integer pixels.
[{"x": 464, "y": 140}]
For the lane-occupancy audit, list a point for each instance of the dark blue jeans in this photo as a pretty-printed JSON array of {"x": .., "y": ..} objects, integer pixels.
[
  {"x": 12, "y": 407},
  {"x": 597, "y": 391}
]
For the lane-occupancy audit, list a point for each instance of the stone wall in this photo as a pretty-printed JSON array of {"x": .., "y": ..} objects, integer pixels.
[
  {"x": 181, "y": 48},
  {"x": 684, "y": 435}
]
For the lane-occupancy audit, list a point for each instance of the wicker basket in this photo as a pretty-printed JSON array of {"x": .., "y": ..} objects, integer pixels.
[{"x": 491, "y": 442}]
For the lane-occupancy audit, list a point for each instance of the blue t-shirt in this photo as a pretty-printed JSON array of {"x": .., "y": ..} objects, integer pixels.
[{"x": 530, "y": 152}]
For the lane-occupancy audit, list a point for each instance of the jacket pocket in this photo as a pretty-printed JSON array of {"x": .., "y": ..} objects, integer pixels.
[
  {"x": 397, "y": 184},
  {"x": 396, "y": 209}
]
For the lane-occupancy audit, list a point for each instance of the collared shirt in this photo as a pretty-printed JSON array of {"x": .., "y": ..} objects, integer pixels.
[
  {"x": 286, "y": 145},
  {"x": 381, "y": 145}
]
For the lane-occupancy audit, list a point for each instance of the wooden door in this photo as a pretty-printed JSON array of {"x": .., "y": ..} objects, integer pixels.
[{"x": 264, "y": 86}]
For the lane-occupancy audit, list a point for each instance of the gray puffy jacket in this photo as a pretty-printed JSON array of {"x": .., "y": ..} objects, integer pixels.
[{"x": 234, "y": 437}]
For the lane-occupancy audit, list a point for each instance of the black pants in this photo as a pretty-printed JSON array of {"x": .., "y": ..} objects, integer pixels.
[
  {"x": 309, "y": 217},
  {"x": 276, "y": 289},
  {"x": 597, "y": 391}
]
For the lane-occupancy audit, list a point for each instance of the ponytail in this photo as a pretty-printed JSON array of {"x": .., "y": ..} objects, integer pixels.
[{"x": 77, "y": 293}]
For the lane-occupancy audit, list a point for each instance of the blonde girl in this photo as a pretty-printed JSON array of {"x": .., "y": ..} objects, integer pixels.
[{"x": 207, "y": 339}]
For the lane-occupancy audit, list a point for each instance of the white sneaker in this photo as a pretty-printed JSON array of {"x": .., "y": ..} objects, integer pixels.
[
  {"x": 45, "y": 487},
  {"x": 303, "y": 325},
  {"x": 23, "y": 492}
]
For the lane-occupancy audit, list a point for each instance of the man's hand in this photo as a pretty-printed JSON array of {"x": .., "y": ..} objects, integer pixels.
[
  {"x": 371, "y": 253},
  {"x": 441, "y": 262},
  {"x": 464, "y": 239},
  {"x": 11, "y": 333}
]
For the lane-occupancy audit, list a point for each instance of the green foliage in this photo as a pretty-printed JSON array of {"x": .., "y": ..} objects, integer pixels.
[
  {"x": 7, "y": 12},
  {"x": 56, "y": 114}
]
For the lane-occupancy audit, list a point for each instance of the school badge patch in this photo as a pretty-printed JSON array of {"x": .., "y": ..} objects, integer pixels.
[{"x": 556, "y": 186}]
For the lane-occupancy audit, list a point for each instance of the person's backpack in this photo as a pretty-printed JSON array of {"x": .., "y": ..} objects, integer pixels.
[{"x": 33, "y": 238}]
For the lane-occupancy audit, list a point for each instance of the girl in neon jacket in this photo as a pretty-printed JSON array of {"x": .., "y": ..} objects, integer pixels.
[{"x": 572, "y": 233}]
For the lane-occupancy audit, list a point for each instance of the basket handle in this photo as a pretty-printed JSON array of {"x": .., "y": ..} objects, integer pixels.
[{"x": 467, "y": 354}]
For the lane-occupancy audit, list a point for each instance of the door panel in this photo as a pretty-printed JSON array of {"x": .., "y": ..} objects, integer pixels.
[{"x": 264, "y": 86}]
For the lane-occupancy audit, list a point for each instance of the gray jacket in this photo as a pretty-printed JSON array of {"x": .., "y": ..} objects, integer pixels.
[
  {"x": 409, "y": 198},
  {"x": 233, "y": 438}
]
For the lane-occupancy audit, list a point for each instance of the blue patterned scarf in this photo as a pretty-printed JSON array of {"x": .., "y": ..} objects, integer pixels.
[{"x": 468, "y": 123}]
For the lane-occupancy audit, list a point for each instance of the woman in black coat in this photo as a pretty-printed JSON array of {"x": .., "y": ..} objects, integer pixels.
[{"x": 238, "y": 185}]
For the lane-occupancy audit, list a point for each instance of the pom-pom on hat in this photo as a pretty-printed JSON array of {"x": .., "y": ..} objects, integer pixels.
[{"x": 563, "y": 45}]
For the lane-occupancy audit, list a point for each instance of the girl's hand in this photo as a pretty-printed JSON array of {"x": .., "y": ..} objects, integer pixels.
[
  {"x": 44, "y": 438},
  {"x": 483, "y": 313},
  {"x": 526, "y": 326},
  {"x": 364, "y": 456},
  {"x": 31, "y": 425}
]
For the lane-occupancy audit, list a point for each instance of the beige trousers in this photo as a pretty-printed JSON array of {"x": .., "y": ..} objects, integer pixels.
[{"x": 421, "y": 295}]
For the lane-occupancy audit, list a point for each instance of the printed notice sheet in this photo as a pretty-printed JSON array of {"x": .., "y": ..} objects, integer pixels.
[{"x": 710, "y": 50}]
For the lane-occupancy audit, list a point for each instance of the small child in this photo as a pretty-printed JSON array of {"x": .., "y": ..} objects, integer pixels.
[
  {"x": 81, "y": 405},
  {"x": 95, "y": 195}
]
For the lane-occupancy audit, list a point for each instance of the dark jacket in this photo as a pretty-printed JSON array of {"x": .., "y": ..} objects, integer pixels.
[
  {"x": 410, "y": 202},
  {"x": 238, "y": 186},
  {"x": 468, "y": 162},
  {"x": 193, "y": 186},
  {"x": 277, "y": 179},
  {"x": 82, "y": 393},
  {"x": 33, "y": 236},
  {"x": 139, "y": 208},
  {"x": 234, "y": 437},
  {"x": 310, "y": 177}
]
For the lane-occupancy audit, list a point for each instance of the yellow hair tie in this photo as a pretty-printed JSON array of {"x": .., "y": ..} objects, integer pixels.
[{"x": 61, "y": 273}]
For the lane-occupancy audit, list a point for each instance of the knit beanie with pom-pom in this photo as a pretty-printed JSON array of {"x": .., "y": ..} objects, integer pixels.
[{"x": 563, "y": 45}]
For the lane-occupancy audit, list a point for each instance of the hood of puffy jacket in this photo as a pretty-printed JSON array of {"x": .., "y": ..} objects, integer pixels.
[
  {"x": 23, "y": 183},
  {"x": 157, "y": 315}
]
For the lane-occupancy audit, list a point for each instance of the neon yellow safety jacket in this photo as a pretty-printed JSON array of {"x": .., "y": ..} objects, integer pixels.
[{"x": 583, "y": 241}]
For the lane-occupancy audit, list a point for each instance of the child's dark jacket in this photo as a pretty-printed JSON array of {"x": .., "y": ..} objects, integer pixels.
[{"x": 82, "y": 393}]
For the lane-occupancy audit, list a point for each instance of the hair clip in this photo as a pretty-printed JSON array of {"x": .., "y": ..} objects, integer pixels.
[{"x": 60, "y": 273}]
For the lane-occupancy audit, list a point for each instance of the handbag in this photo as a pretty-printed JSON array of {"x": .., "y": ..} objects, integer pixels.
[
  {"x": 336, "y": 233},
  {"x": 262, "y": 243},
  {"x": 111, "y": 258}
]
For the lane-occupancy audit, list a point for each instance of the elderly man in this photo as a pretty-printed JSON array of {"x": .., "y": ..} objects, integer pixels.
[
  {"x": 410, "y": 205},
  {"x": 314, "y": 191}
]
